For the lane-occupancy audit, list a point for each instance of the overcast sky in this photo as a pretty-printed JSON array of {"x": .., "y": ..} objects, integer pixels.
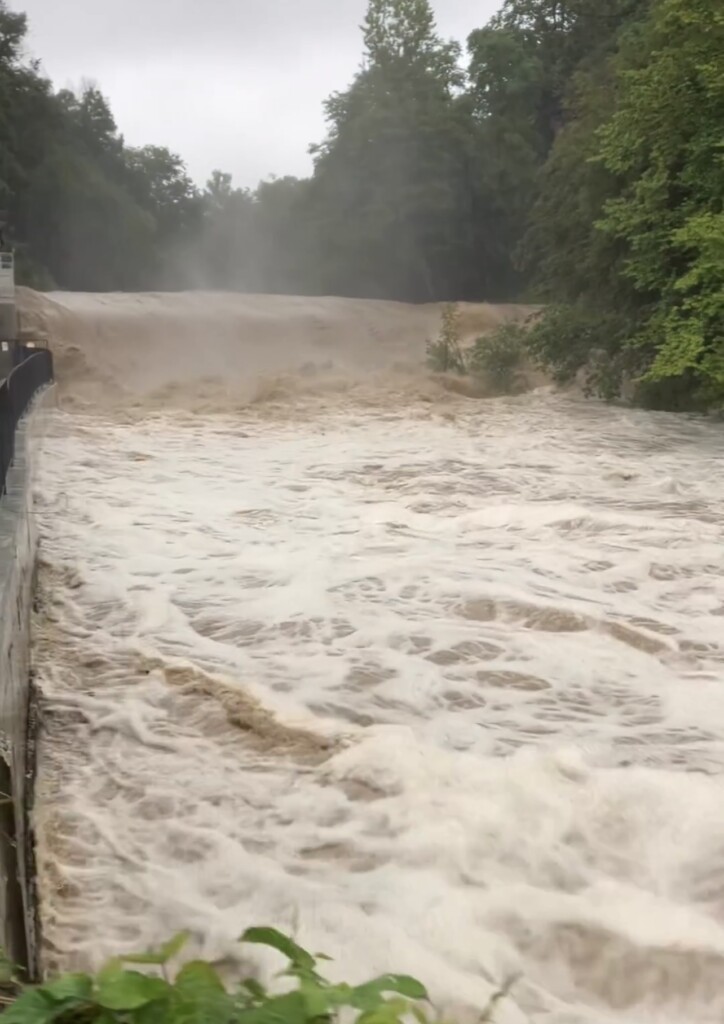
[{"x": 230, "y": 84}]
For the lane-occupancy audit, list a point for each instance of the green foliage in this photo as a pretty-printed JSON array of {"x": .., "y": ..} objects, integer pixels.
[
  {"x": 499, "y": 356},
  {"x": 85, "y": 211},
  {"x": 578, "y": 157},
  {"x": 573, "y": 342},
  {"x": 392, "y": 191},
  {"x": 665, "y": 143},
  {"x": 197, "y": 994},
  {"x": 628, "y": 223},
  {"x": 524, "y": 67},
  {"x": 444, "y": 355}
]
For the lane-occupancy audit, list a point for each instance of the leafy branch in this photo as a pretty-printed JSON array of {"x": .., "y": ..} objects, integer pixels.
[{"x": 121, "y": 994}]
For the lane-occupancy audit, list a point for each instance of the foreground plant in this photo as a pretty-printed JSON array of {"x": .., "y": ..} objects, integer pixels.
[{"x": 120, "y": 994}]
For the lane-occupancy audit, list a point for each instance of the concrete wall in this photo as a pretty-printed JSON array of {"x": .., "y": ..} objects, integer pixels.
[{"x": 18, "y": 551}]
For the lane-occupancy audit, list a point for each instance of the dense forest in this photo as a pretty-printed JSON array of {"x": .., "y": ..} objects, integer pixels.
[{"x": 572, "y": 153}]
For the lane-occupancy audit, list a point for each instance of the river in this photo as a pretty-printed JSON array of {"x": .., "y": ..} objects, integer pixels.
[{"x": 438, "y": 687}]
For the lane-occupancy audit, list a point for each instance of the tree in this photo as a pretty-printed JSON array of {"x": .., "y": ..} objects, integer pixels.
[
  {"x": 403, "y": 33},
  {"x": 85, "y": 211},
  {"x": 664, "y": 143},
  {"x": 88, "y": 117},
  {"x": 160, "y": 185},
  {"x": 627, "y": 223},
  {"x": 227, "y": 254},
  {"x": 26, "y": 114},
  {"x": 391, "y": 193},
  {"x": 578, "y": 156}
]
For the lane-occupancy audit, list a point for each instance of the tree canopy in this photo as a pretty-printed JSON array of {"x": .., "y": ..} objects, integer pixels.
[{"x": 571, "y": 151}]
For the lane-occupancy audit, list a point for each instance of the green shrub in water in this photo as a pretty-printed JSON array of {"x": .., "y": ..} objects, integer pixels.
[
  {"x": 498, "y": 357},
  {"x": 445, "y": 355}
]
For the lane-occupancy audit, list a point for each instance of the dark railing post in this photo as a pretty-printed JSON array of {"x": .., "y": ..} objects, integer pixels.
[
  {"x": 16, "y": 394},
  {"x": 4, "y": 426}
]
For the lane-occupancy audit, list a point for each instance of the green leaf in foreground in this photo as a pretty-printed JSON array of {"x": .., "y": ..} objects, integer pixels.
[
  {"x": 287, "y": 1009},
  {"x": 69, "y": 986},
  {"x": 319, "y": 1000},
  {"x": 128, "y": 990},
  {"x": 390, "y": 1012},
  {"x": 254, "y": 989},
  {"x": 198, "y": 977},
  {"x": 33, "y": 1007},
  {"x": 369, "y": 996},
  {"x": 282, "y": 943},
  {"x": 200, "y": 997}
]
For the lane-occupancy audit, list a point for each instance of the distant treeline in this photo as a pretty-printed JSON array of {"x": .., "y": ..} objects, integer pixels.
[{"x": 573, "y": 153}]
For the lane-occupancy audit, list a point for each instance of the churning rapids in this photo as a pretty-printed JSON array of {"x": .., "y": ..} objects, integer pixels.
[{"x": 435, "y": 683}]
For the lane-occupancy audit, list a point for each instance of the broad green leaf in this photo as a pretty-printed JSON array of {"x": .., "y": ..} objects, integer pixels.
[
  {"x": 389, "y": 1012},
  {"x": 370, "y": 995},
  {"x": 318, "y": 1000},
  {"x": 282, "y": 943},
  {"x": 329, "y": 997},
  {"x": 200, "y": 997},
  {"x": 254, "y": 988},
  {"x": 216, "y": 1009},
  {"x": 159, "y": 1012},
  {"x": 128, "y": 990},
  {"x": 69, "y": 986},
  {"x": 160, "y": 956},
  {"x": 198, "y": 976},
  {"x": 33, "y": 1007},
  {"x": 287, "y": 1009}
]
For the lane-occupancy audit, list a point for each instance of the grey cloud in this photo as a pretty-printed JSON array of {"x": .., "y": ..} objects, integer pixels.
[{"x": 234, "y": 84}]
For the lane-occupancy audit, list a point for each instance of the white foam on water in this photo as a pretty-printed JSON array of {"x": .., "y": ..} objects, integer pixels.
[{"x": 441, "y": 694}]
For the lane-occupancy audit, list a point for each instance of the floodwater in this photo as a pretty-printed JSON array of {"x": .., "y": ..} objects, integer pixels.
[{"x": 437, "y": 687}]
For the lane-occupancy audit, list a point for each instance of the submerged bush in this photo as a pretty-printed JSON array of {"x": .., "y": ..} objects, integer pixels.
[
  {"x": 445, "y": 355},
  {"x": 568, "y": 340},
  {"x": 499, "y": 357}
]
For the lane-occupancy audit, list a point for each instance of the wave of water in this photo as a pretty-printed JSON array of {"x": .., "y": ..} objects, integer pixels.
[{"x": 440, "y": 690}]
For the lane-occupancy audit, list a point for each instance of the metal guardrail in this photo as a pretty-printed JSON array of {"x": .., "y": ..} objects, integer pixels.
[{"x": 16, "y": 394}]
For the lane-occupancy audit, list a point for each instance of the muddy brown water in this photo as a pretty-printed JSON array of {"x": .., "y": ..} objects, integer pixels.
[{"x": 436, "y": 683}]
